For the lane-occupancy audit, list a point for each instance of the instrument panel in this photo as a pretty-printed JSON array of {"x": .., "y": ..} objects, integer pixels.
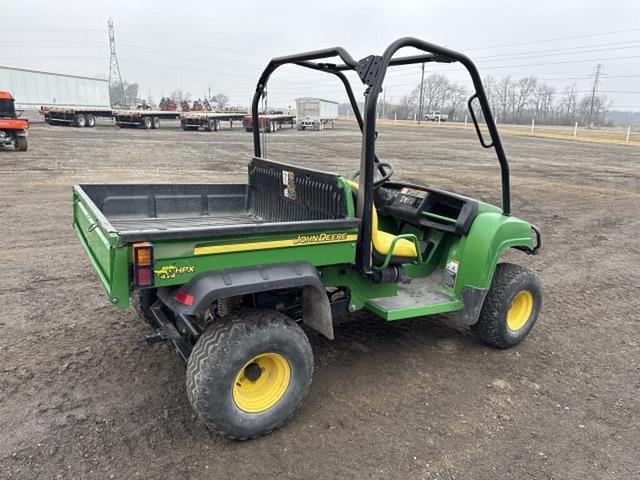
[{"x": 426, "y": 207}]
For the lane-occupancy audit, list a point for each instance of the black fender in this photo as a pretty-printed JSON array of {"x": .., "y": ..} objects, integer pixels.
[{"x": 194, "y": 297}]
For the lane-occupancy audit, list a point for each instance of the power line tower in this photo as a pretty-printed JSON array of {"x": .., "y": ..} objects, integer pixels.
[
  {"x": 115, "y": 78},
  {"x": 594, "y": 92}
]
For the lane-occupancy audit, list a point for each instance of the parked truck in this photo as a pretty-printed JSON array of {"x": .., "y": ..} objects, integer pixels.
[
  {"x": 270, "y": 122},
  {"x": 315, "y": 113},
  {"x": 13, "y": 130},
  {"x": 208, "y": 121},
  {"x": 436, "y": 117}
]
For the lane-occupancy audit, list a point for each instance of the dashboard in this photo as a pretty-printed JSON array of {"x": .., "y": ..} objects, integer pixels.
[{"x": 426, "y": 207}]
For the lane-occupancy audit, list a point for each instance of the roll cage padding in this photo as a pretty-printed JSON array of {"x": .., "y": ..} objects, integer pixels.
[{"x": 372, "y": 71}]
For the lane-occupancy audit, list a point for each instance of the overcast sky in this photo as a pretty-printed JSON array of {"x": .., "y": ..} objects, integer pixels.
[{"x": 169, "y": 45}]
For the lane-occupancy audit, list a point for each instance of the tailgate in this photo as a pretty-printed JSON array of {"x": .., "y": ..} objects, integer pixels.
[{"x": 108, "y": 256}]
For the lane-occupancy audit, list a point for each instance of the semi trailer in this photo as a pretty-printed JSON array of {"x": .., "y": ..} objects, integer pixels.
[
  {"x": 208, "y": 121},
  {"x": 74, "y": 116},
  {"x": 270, "y": 122},
  {"x": 315, "y": 113},
  {"x": 143, "y": 118}
]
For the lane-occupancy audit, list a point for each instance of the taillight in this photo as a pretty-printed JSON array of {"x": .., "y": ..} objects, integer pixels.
[
  {"x": 143, "y": 264},
  {"x": 184, "y": 298}
]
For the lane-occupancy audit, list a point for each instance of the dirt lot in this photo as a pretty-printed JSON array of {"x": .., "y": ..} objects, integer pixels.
[{"x": 82, "y": 396}]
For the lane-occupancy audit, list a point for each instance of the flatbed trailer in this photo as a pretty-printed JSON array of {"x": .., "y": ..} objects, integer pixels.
[
  {"x": 143, "y": 118},
  {"x": 75, "y": 116},
  {"x": 208, "y": 121},
  {"x": 269, "y": 123}
]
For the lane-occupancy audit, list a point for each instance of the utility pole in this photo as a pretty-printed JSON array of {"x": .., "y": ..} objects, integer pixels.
[
  {"x": 115, "y": 78},
  {"x": 594, "y": 91},
  {"x": 421, "y": 94},
  {"x": 384, "y": 100}
]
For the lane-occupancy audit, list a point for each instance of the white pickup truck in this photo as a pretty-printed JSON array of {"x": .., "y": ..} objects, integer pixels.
[{"x": 436, "y": 117}]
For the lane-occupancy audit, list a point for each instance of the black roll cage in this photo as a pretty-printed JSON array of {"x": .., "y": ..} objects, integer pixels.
[{"x": 372, "y": 71}]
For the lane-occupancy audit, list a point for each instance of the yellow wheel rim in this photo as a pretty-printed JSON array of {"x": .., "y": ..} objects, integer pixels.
[
  {"x": 520, "y": 310},
  {"x": 261, "y": 382}
]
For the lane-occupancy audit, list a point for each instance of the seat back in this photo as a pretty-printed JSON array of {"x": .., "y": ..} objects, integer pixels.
[{"x": 382, "y": 240}]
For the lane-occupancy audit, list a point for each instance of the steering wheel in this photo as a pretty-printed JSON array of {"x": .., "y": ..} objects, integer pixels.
[{"x": 381, "y": 166}]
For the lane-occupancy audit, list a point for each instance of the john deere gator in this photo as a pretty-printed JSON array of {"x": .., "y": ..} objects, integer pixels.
[{"x": 228, "y": 273}]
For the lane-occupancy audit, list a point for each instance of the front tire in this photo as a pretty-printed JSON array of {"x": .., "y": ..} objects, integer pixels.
[
  {"x": 246, "y": 376},
  {"x": 511, "y": 307},
  {"x": 21, "y": 144}
]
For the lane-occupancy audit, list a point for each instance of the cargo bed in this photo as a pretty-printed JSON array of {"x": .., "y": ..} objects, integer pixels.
[
  {"x": 293, "y": 214},
  {"x": 179, "y": 211}
]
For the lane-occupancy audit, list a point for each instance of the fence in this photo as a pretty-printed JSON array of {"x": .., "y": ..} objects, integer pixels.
[{"x": 626, "y": 134}]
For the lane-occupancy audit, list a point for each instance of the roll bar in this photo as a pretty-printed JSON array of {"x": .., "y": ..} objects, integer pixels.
[{"x": 372, "y": 71}]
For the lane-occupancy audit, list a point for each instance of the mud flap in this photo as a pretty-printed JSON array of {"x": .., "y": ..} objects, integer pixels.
[
  {"x": 316, "y": 310},
  {"x": 472, "y": 299}
]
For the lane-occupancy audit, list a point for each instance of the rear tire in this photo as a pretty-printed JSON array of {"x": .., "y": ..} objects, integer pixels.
[
  {"x": 147, "y": 123},
  {"x": 21, "y": 144},
  {"x": 511, "y": 307},
  {"x": 156, "y": 123},
  {"x": 80, "y": 120},
  {"x": 91, "y": 121},
  {"x": 245, "y": 377}
]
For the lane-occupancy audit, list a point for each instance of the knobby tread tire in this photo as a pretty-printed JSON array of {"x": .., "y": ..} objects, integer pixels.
[
  {"x": 508, "y": 280},
  {"x": 211, "y": 352}
]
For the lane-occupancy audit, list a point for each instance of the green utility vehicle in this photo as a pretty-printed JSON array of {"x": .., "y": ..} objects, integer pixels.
[{"x": 225, "y": 271}]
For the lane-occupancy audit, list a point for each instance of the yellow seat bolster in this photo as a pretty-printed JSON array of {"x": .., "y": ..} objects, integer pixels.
[{"x": 382, "y": 240}]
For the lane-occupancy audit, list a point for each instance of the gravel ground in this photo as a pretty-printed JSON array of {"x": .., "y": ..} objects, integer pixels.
[{"x": 82, "y": 396}]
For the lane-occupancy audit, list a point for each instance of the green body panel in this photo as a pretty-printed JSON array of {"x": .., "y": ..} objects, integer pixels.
[
  {"x": 360, "y": 286},
  {"x": 176, "y": 262},
  {"x": 109, "y": 258},
  {"x": 179, "y": 256},
  {"x": 479, "y": 251},
  {"x": 412, "y": 312}
]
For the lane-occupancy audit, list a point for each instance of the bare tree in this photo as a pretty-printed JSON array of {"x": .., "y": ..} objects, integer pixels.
[
  {"x": 512, "y": 101},
  {"x": 504, "y": 96},
  {"x": 405, "y": 108},
  {"x": 220, "y": 101},
  {"x": 593, "y": 110},
  {"x": 568, "y": 105}
]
